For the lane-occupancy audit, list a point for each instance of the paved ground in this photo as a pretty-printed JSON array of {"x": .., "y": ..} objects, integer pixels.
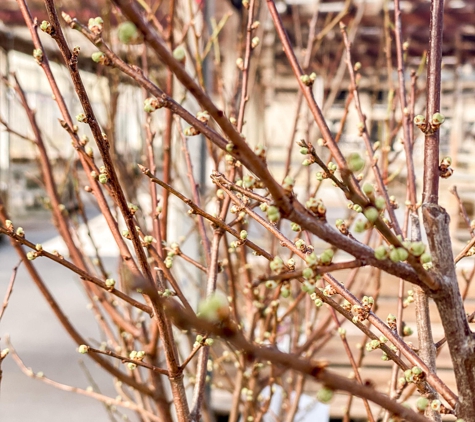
[{"x": 42, "y": 342}]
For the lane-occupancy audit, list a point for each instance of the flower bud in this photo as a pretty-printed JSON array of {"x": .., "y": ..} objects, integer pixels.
[
  {"x": 179, "y": 54},
  {"x": 103, "y": 179},
  {"x": 110, "y": 283},
  {"x": 371, "y": 214},
  {"x": 437, "y": 119},
  {"x": 324, "y": 395},
  {"x": 83, "y": 349},
  {"x": 355, "y": 162},
  {"x": 127, "y": 32},
  {"x": 255, "y": 42},
  {"x": 419, "y": 120},
  {"x": 422, "y": 403}
]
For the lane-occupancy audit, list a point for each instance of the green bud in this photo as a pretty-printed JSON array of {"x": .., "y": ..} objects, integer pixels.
[
  {"x": 273, "y": 214},
  {"x": 419, "y": 120},
  {"x": 270, "y": 284},
  {"x": 417, "y": 248},
  {"x": 295, "y": 227},
  {"x": 318, "y": 302},
  {"x": 324, "y": 395},
  {"x": 355, "y": 162},
  {"x": 438, "y": 119},
  {"x": 131, "y": 365},
  {"x": 371, "y": 214},
  {"x": 103, "y": 179},
  {"x": 304, "y": 151},
  {"x": 214, "y": 308},
  {"x": 368, "y": 188},
  {"x": 98, "y": 57},
  {"x": 381, "y": 252},
  {"x": 179, "y": 54},
  {"x": 326, "y": 257},
  {"x": 127, "y": 32},
  {"x": 422, "y": 403},
  {"x": 435, "y": 405},
  {"x": 81, "y": 117},
  {"x": 307, "y": 273},
  {"x": 380, "y": 203},
  {"x": 83, "y": 349},
  {"x": 357, "y": 208},
  {"x": 426, "y": 258},
  {"x": 407, "y": 331},
  {"x": 285, "y": 292},
  {"x": 110, "y": 282}
]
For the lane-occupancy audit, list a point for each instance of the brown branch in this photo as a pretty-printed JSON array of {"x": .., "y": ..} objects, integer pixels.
[
  {"x": 430, "y": 193},
  {"x": 230, "y": 332},
  {"x": 100, "y": 397},
  {"x": 9, "y": 289},
  {"x": 126, "y": 359}
]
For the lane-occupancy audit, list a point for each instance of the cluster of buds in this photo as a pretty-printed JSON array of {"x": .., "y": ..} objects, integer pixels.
[
  {"x": 32, "y": 255},
  {"x": 201, "y": 341},
  {"x": 100, "y": 57},
  {"x": 308, "y": 286},
  {"x": 445, "y": 171},
  {"x": 329, "y": 290},
  {"x": 277, "y": 264},
  {"x": 169, "y": 260},
  {"x": 288, "y": 184},
  {"x": 137, "y": 356},
  {"x": 360, "y": 313},
  {"x": 373, "y": 345},
  {"x": 151, "y": 104},
  {"x": 110, "y": 284},
  {"x": 47, "y": 28},
  {"x": 9, "y": 226},
  {"x": 316, "y": 206},
  {"x": 432, "y": 126},
  {"x": 392, "y": 322},
  {"x": 273, "y": 214},
  {"x": 191, "y": 131},
  {"x": 302, "y": 246},
  {"x": 318, "y": 302},
  {"x": 409, "y": 299},
  {"x": 308, "y": 80},
  {"x": 104, "y": 176},
  {"x": 95, "y": 25},
  {"x": 341, "y": 226},
  {"x": 132, "y": 208},
  {"x": 398, "y": 254},
  {"x": 248, "y": 181},
  {"x": 38, "y": 55},
  {"x": 414, "y": 375},
  {"x": 166, "y": 293},
  {"x": 82, "y": 118},
  {"x": 261, "y": 151}
]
